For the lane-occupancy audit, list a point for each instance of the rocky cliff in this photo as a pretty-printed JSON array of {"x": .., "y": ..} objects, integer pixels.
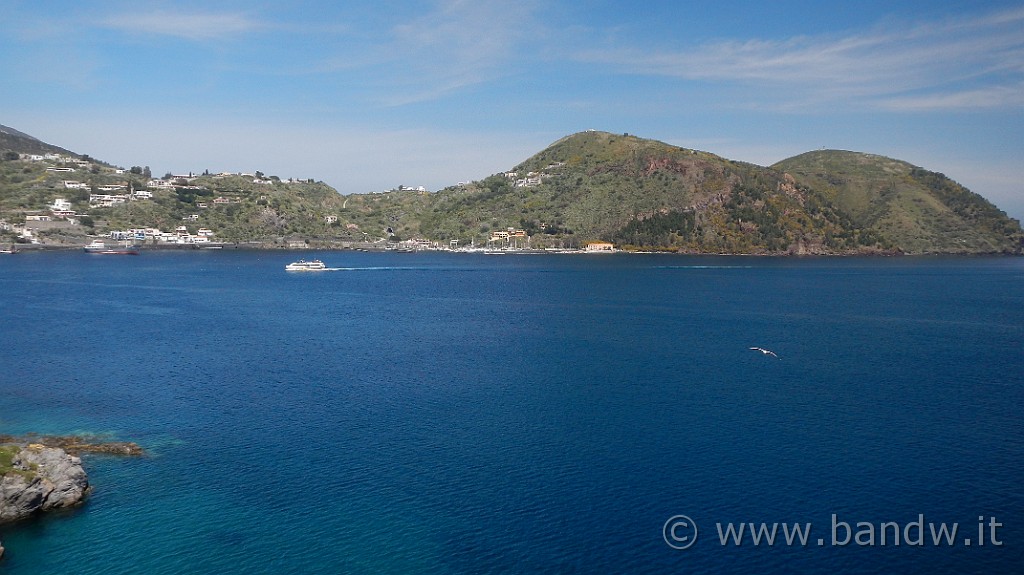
[{"x": 38, "y": 478}]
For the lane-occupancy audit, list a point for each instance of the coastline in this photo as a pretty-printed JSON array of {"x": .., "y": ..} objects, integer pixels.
[
  {"x": 376, "y": 248},
  {"x": 313, "y": 245}
]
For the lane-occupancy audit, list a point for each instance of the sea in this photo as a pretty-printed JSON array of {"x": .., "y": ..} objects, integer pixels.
[{"x": 445, "y": 413}]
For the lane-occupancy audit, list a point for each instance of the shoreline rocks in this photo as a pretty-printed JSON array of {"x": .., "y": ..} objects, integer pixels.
[
  {"x": 40, "y": 473},
  {"x": 41, "y": 478},
  {"x": 76, "y": 444}
]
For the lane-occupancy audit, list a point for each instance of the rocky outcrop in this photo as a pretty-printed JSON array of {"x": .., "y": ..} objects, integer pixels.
[
  {"x": 39, "y": 473},
  {"x": 40, "y": 478},
  {"x": 76, "y": 444}
]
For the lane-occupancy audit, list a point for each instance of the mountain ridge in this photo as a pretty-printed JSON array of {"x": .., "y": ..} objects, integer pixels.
[{"x": 17, "y": 141}]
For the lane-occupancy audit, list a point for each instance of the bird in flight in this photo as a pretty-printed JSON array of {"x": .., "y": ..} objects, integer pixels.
[{"x": 766, "y": 352}]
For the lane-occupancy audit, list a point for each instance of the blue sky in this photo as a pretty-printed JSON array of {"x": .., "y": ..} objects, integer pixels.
[{"x": 368, "y": 96}]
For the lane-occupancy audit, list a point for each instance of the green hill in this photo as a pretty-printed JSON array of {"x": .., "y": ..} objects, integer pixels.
[
  {"x": 918, "y": 210},
  {"x": 238, "y": 208},
  {"x": 648, "y": 195}
]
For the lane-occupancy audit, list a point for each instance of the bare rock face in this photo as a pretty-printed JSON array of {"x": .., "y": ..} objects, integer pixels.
[{"x": 41, "y": 478}]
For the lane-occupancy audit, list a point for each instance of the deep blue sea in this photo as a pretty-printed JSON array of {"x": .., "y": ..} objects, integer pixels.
[{"x": 457, "y": 413}]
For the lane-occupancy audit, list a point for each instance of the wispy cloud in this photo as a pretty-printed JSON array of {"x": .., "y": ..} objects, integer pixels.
[
  {"x": 928, "y": 65},
  {"x": 459, "y": 43},
  {"x": 185, "y": 25},
  {"x": 991, "y": 97}
]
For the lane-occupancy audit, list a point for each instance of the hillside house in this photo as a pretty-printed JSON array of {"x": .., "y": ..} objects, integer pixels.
[
  {"x": 61, "y": 208},
  {"x": 529, "y": 181},
  {"x": 106, "y": 200}
]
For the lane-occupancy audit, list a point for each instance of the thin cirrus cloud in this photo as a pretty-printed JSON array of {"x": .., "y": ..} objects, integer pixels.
[
  {"x": 453, "y": 45},
  {"x": 953, "y": 64},
  {"x": 459, "y": 44},
  {"x": 992, "y": 97},
  {"x": 189, "y": 26}
]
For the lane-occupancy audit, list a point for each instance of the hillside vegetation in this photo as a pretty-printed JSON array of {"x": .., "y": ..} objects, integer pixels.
[
  {"x": 645, "y": 194},
  {"x": 919, "y": 210},
  {"x": 634, "y": 192}
]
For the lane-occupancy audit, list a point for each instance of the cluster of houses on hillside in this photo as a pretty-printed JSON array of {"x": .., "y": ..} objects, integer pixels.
[
  {"x": 532, "y": 179},
  {"x": 62, "y": 216}
]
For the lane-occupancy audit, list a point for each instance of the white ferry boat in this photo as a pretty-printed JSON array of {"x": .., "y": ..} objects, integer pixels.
[
  {"x": 99, "y": 247},
  {"x": 304, "y": 266}
]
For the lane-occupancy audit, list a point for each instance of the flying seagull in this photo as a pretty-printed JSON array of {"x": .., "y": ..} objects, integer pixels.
[{"x": 766, "y": 352}]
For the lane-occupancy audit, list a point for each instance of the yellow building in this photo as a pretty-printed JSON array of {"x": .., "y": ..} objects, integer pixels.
[{"x": 600, "y": 247}]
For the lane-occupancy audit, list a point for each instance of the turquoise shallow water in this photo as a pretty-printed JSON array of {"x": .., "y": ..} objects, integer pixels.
[{"x": 451, "y": 413}]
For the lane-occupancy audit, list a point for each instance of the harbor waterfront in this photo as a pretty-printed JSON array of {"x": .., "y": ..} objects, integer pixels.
[{"x": 463, "y": 413}]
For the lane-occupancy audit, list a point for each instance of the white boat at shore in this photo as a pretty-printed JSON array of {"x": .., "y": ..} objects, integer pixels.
[
  {"x": 99, "y": 247},
  {"x": 304, "y": 266}
]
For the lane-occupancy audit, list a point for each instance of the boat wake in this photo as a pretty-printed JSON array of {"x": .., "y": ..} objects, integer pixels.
[
  {"x": 376, "y": 269},
  {"x": 703, "y": 267}
]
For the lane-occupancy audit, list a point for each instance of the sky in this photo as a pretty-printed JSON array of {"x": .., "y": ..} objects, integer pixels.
[{"x": 367, "y": 96}]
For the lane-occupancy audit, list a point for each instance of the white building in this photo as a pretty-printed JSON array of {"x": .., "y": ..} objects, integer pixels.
[
  {"x": 60, "y": 205},
  {"x": 105, "y": 200}
]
